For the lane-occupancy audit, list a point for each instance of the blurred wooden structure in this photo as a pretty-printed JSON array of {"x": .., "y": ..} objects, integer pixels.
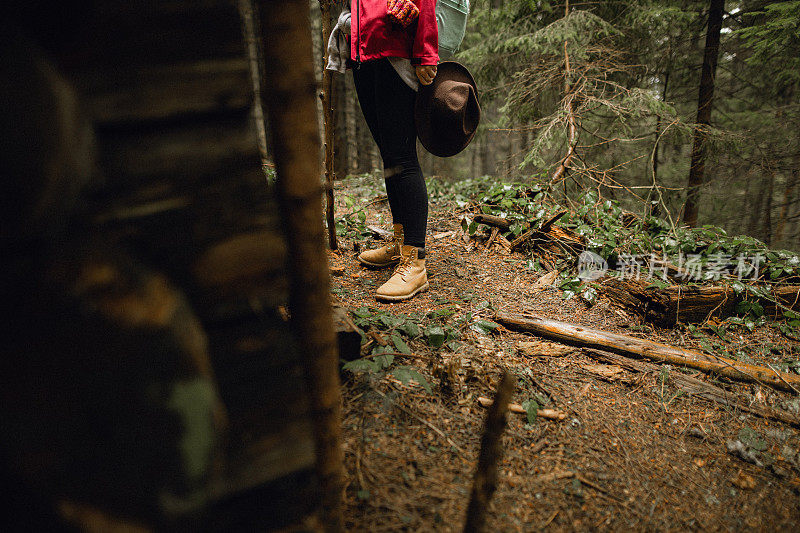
[{"x": 151, "y": 378}]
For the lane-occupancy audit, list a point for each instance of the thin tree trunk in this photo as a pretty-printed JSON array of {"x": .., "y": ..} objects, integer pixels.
[
  {"x": 350, "y": 122},
  {"x": 787, "y": 200},
  {"x": 768, "y": 210},
  {"x": 756, "y": 208},
  {"x": 327, "y": 120},
  {"x": 290, "y": 100},
  {"x": 705, "y": 101},
  {"x": 572, "y": 130},
  {"x": 255, "y": 64},
  {"x": 658, "y": 129}
]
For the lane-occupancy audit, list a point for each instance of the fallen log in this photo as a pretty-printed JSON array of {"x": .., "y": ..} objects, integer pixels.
[
  {"x": 641, "y": 348},
  {"x": 550, "y": 414},
  {"x": 677, "y": 303},
  {"x": 695, "y": 387},
  {"x": 494, "y": 221}
]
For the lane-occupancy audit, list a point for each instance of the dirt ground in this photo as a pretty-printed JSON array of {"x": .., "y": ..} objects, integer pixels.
[{"x": 632, "y": 453}]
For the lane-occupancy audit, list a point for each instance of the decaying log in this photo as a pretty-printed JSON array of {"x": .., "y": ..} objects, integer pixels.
[
  {"x": 492, "y": 220},
  {"x": 695, "y": 387},
  {"x": 556, "y": 240},
  {"x": 641, "y": 348},
  {"x": 677, "y": 303},
  {"x": 289, "y": 99},
  {"x": 485, "y": 481},
  {"x": 550, "y": 414}
]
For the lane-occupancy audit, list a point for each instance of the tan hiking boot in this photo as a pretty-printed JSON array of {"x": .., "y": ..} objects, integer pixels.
[
  {"x": 409, "y": 278},
  {"x": 386, "y": 255}
]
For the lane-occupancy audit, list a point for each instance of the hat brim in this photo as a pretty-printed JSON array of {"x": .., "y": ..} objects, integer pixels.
[{"x": 426, "y": 130}]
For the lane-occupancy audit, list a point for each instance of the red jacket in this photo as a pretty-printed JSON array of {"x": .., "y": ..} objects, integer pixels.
[{"x": 373, "y": 35}]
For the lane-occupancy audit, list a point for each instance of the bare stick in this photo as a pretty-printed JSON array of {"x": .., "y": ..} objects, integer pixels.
[
  {"x": 550, "y": 414},
  {"x": 485, "y": 481}
]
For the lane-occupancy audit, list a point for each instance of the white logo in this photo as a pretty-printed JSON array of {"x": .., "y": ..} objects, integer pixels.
[{"x": 591, "y": 266}]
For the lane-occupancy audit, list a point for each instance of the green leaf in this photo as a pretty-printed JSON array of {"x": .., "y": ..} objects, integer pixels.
[
  {"x": 390, "y": 321},
  {"x": 408, "y": 373},
  {"x": 532, "y": 408},
  {"x": 362, "y": 312},
  {"x": 362, "y": 365},
  {"x": 409, "y": 328},
  {"x": 484, "y": 327},
  {"x": 436, "y": 336},
  {"x": 400, "y": 344}
]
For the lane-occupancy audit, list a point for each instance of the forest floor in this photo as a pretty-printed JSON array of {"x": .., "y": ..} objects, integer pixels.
[{"x": 633, "y": 451}]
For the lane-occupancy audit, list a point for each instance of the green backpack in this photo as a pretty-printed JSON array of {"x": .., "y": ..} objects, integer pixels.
[{"x": 451, "y": 17}]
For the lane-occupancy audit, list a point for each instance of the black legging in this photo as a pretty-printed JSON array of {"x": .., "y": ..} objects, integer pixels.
[{"x": 388, "y": 107}]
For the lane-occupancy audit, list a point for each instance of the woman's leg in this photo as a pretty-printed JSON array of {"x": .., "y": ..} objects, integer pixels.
[
  {"x": 397, "y": 134},
  {"x": 365, "y": 78}
]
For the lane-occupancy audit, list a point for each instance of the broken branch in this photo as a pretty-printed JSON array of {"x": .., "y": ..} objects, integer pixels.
[{"x": 641, "y": 348}]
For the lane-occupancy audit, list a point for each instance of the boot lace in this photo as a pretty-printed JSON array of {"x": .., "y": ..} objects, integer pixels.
[{"x": 404, "y": 266}]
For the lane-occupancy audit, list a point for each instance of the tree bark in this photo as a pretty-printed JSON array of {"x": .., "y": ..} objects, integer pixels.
[
  {"x": 705, "y": 101},
  {"x": 255, "y": 62},
  {"x": 677, "y": 303},
  {"x": 327, "y": 121},
  {"x": 290, "y": 99}
]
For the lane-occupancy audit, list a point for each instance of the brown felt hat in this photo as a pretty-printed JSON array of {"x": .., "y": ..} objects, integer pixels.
[{"x": 447, "y": 111}]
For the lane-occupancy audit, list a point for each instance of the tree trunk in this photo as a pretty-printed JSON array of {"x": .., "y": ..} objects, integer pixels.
[
  {"x": 705, "y": 101},
  {"x": 290, "y": 99},
  {"x": 788, "y": 194},
  {"x": 351, "y": 112},
  {"x": 768, "y": 210},
  {"x": 247, "y": 11},
  {"x": 328, "y": 125},
  {"x": 340, "y": 144},
  {"x": 658, "y": 134}
]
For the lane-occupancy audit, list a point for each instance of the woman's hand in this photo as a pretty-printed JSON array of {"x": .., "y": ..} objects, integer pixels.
[{"x": 426, "y": 73}]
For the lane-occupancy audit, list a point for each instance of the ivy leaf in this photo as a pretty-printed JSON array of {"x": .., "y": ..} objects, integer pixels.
[
  {"x": 362, "y": 312},
  {"x": 532, "y": 408},
  {"x": 362, "y": 365},
  {"x": 484, "y": 327},
  {"x": 409, "y": 328},
  {"x": 400, "y": 344},
  {"x": 390, "y": 321},
  {"x": 436, "y": 336},
  {"x": 406, "y": 374}
]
